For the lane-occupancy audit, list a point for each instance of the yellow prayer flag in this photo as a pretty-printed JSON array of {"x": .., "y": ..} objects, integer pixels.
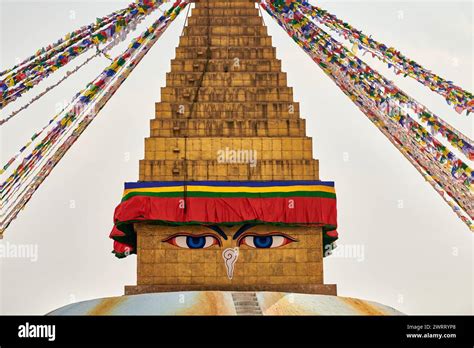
[{"x": 355, "y": 48}]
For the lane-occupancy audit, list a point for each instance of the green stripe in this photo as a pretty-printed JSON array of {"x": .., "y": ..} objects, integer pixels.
[{"x": 232, "y": 194}]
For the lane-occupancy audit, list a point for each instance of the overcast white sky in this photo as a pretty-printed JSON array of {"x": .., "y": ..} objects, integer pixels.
[{"x": 418, "y": 257}]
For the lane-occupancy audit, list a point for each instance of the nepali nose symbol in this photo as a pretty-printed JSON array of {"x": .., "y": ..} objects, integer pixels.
[{"x": 230, "y": 256}]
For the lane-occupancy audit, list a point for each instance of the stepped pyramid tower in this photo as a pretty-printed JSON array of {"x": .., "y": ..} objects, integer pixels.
[
  {"x": 227, "y": 115},
  {"x": 229, "y": 216}
]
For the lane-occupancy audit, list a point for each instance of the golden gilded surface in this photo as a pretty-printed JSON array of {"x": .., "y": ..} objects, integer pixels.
[
  {"x": 225, "y": 95},
  {"x": 160, "y": 263},
  {"x": 226, "y": 91}
]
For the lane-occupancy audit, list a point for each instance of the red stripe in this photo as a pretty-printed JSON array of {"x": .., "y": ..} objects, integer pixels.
[
  {"x": 306, "y": 210},
  {"x": 123, "y": 248}
]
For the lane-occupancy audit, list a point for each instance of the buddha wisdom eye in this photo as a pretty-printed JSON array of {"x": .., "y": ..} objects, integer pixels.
[
  {"x": 265, "y": 241},
  {"x": 189, "y": 241}
]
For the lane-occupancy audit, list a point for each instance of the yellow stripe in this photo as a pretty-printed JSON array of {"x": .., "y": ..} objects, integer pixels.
[
  {"x": 233, "y": 189},
  {"x": 106, "y": 306}
]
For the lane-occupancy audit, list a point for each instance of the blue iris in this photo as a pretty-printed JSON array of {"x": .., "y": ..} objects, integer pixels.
[
  {"x": 262, "y": 241},
  {"x": 195, "y": 242}
]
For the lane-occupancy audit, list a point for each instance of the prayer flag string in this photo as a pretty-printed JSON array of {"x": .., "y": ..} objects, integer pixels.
[
  {"x": 37, "y": 165},
  {"x": 460, "y": 99},
  {"x": 23, "y": 77},
  {"x": 450, "y": 176}
]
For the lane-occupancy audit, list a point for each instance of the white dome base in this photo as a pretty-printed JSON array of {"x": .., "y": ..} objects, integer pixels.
[{"x": 226, "y": 303}]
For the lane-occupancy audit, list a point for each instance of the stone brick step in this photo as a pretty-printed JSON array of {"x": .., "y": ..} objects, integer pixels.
[
  {"x": 148, "y": 285},
  {"x": 222, "y": 115},
  {"x": 224, "y": 11},
  {"x": 221, "y": 65},
  {"x": 223, "y": 79},
  {"x": 225, "y": 41},
  {"x": 245, "y": 304},
  {"x": 203, "y": 30},
  {"x": 226, "y": 94},
  {"x": 216, "y": 148},
  {"x": 224, "y": 3},
  {"x": 225, "y": 21},
  {"x": 233, "y": 127},
  {"x": 248, "y": 303},
  {"x": 249, "y": 110},
  {"x": 247, "y": 298},
  {"x": 246, "y": 310},
  {"x": 168, "y": 170},
  {"x": 225, "y": 52}
]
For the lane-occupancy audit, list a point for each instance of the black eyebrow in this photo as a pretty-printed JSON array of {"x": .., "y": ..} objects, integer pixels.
[
  {"x": 218, "y": 230},
  {"x": 242, "y": 229}
]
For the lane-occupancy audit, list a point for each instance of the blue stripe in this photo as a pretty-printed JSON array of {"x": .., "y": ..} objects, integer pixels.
[{"x": 144, "y": 184}]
